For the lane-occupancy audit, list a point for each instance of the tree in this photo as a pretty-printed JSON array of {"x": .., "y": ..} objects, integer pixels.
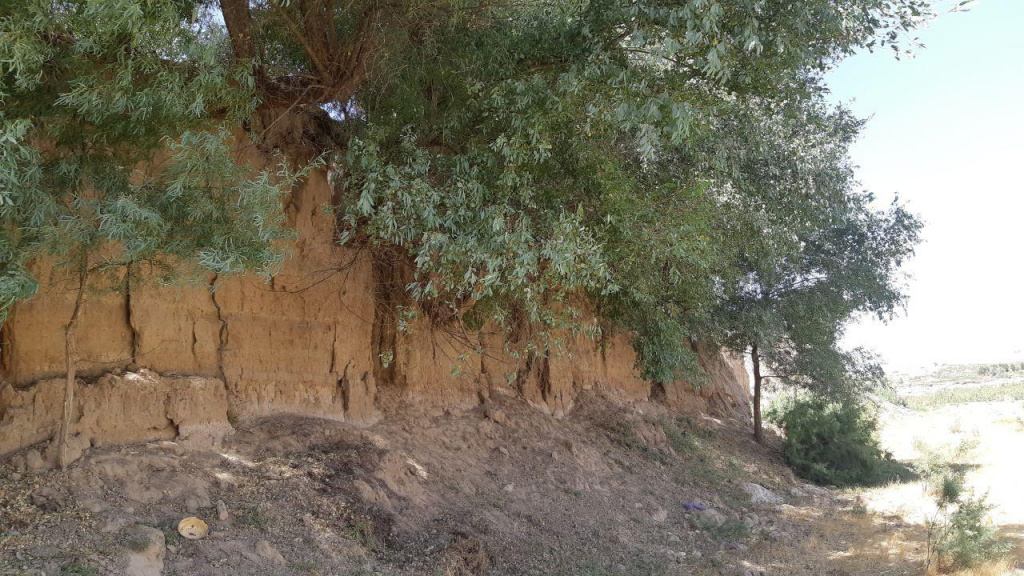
[
  {"x": 116, "y": 153},
  {"x": 817, "y": 256},
  {"x": 511, "y": 155}
]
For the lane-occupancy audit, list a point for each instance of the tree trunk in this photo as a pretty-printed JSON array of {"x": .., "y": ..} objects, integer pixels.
[
  {"x": 69, "y": 363},
  {"x": 756, "y": 361}
]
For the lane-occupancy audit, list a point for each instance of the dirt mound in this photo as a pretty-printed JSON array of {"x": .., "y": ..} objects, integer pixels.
[{"x": 501, "y": 489}]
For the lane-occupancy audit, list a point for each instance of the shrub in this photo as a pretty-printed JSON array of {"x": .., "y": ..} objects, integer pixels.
[
  {"x": 964, "y": 538},
  {"x": 959, "y": 535},
  {"x": 831, "y": 442}
]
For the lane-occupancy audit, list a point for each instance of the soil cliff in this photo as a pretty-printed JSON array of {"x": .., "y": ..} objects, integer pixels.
[{"x": 318, "y": 339}]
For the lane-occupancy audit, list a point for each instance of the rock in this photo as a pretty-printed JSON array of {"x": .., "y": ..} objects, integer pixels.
[
  {"x": 34, "y": 461},
  {"x": 222, "y": 511},
  {"x": 760, "y": 495},
  {"x": 268, "y": 552},
  {"x": 49, "y": 499},
  {"x": 150, "y": 560},
  {"x": 620, "y": 567},
  {"x": 18, "y": 463},
  {"x": 113, "y": 525},
  {"x": 673, "y": 538},
  {"x": 77, "y": 445},
  {"x": 495, "y": 415},
  {"x": 747, "y": 569},
  {"x": 417, "y": 469},
  {"x": 796, "y": 492},
  {"x": 195, "y": 502},
  {"x": 712, "y": 517},
  {"x": 509, "y": 487},
  {"x": 749, "y": 522},
  {"x": 94, "y": 505},
  {"x": 817, "y": 491},
  {"x": 659, "y": 515},
  {"x": 504, "y": 452}
]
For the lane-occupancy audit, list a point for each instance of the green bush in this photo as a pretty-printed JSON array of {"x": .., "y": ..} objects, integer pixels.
[
  {"x": 959, "y": 534},
  {"x": 831, "y": 442},
  {"x": 964, "y": 538}
]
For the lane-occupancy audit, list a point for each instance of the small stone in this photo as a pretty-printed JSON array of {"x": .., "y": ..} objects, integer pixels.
[
  {"x": 673, "y": 538},
  {"x": 659, "y": 515},
  {"x": 747, "y": 569},
  {"x": 149, "y": 561},
  {"x": 620, "y": 567},
  {"x": 94, "y": 505},
  {"x": 113, "y": 525},
  {"x": 34, "y": 461},
  {"x": 48, "y": 499},
  {"x": 18, "y": 463},
  {"x": 307, "y": 520},
  {"x": 222, "y": 511},
  {"x": 495, "y": 415},
  {"x": 15, "y": 477},
  {"x": 268, "y": 552},
  {"x": 712, "y": 517},
  {"x": 760, "y": 495},
  {"x": 504, "y": 452},
  {"x": 509, "y": 487},
  {"x": 417, "y": 469}
]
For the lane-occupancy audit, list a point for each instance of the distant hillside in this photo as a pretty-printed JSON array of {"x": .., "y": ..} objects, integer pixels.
[{"x": 960, "y": 384}]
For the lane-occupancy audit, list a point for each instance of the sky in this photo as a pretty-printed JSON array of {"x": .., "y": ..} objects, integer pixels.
[{"x": 946, "y": 133}]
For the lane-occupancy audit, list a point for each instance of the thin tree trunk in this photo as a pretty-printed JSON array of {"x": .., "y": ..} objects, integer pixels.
[
  {"x": 69, "y": 363},
  {"x": 756, "y": 361}
]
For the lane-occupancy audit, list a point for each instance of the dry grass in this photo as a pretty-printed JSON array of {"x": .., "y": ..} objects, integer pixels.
[{"x": 1002, "y": 567}]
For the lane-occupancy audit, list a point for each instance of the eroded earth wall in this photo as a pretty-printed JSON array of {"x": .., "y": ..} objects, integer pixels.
[{"x": 166, "y": 362}]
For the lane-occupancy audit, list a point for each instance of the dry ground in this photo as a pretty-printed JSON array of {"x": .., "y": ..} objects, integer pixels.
[{"x": 500, "y": 490}]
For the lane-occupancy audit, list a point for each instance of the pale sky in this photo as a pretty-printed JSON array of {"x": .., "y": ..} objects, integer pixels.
[{"x": 947, "y": 134}]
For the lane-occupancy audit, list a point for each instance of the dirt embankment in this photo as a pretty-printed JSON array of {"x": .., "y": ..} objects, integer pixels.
[
  {"x": 611, "y": 488},
  {"x": 319, "y": 339},
  {"x": 499, "y": 490}
]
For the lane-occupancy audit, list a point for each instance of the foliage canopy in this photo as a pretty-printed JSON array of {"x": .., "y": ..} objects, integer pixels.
[{"x": 674, "y": 162}]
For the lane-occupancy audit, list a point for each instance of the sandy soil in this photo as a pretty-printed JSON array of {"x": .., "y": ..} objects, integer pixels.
[{"x": 996, "y": 429}]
